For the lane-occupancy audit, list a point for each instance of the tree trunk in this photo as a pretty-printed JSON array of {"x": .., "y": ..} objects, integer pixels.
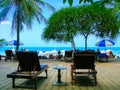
[
  {"x": 18, "y": 26},
  {"x": 73, "y": 46},
  {"x": 85, "y": 42}
]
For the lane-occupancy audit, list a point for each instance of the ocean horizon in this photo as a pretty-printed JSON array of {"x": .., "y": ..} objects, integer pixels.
[{"x": 115, "y": 50}]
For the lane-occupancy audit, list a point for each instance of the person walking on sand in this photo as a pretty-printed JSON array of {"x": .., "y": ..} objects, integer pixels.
[
  {"x": 110, "y": 54},
  {"x": 98, "y": 51}
]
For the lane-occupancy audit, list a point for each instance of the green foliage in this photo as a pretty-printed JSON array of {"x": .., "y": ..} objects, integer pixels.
[
  {"x": 90, "y": 1},
  {"x": 3, "y": 42},
  {"x": 98, "y": 20},
  {"x": 62, "y": 23},
  {"x": 80, "y": 1},
  {"x": 94, "y": 19},
  {"x": 64, "y": 1}
]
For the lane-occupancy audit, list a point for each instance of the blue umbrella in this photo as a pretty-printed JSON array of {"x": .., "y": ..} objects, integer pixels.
[
  {"x": 14, "y": 42},
  {"x": 105, "y": 43}
]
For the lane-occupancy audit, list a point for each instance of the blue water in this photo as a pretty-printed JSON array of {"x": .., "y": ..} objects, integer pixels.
[{"x": 116, "y": 50}]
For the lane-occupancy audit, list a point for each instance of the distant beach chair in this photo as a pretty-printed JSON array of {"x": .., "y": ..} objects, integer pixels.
[
  {"x": 83, "y": 64},
  {"x": 68, "y": 56},
  {"x": 9, "y": 54},
  {"x": 2, "y": 57},
  {"x": 101, "y": 57},
  {"x": 29, "y": 67}
]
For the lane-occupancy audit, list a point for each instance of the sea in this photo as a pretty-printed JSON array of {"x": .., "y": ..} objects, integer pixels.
[{"x": 115, "y": 50}]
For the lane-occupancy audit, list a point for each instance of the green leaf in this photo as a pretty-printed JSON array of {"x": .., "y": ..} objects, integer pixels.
[
  {"x": 80, "y": 1},
  {"x": 64, "y": 1},
  {"x": 91, "y": 1},
  {"x": 70, "y": 2},
  {"x": 85, "y": 1}
]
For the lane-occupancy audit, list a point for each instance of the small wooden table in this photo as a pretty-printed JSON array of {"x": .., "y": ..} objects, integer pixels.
[{"x": 59, "y": 82}]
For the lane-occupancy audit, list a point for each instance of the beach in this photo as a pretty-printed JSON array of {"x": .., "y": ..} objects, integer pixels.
[
  {"x": 115, "y": 50},
  {"x": 108, "y": 76}
]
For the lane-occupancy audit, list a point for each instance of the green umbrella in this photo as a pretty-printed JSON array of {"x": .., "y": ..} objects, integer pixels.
[{"x": 3, "y": 42}]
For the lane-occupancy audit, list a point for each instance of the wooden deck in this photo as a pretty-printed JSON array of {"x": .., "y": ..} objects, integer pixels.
[{"x": 108, "y": 77}]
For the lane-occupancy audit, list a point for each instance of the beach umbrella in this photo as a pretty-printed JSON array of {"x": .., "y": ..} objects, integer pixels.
[
  {"x": 54, "y": 52},
  {"x": 3, "y": 42},
  {"x": 105, "y": 43},
  {"x": 14, "y": 42},
  {"x": 41, "y": 53}
]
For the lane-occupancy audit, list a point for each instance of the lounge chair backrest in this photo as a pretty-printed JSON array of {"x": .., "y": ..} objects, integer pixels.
[
  {"x": 84, "y": 60},
  {"x": 28, "y": 61},
  {"x": 8, "y": 53},
  {"x": 68, "y": 53}
]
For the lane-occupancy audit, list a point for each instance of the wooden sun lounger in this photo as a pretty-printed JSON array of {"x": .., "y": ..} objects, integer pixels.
[
  {"x": 26, "y": 75},
  {"x": 28, "y": 69},
  {"x": 83, "y": 64}
]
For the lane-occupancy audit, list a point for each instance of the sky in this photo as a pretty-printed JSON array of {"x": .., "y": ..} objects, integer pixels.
[{"x": 32, "y": 38}]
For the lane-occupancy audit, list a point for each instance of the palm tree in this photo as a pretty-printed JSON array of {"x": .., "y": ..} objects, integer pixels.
[{"x": 24, "y": 13}]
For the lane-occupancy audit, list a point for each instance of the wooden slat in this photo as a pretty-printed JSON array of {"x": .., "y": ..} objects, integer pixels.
[{"x": 26, "y": 74}]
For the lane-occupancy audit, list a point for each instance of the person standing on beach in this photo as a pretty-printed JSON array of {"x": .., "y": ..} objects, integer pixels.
[
  {"x": 110, "y": 54},
  {"x": 98, "y": 51}
]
